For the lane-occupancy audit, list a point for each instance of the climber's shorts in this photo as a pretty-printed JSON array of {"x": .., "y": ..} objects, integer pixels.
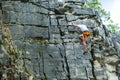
[{"x": 85, "y": 35}]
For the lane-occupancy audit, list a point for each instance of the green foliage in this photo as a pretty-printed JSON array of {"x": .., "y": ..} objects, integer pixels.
[
  {"x": 93, "y": 4},
  {"x": 112, "y": 26},
  {"x": 96, "y": 5},
  {"x": 1, "y": 42}
]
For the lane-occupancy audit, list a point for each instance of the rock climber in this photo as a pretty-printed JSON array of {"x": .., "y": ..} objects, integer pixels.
[{"x": 85, "y": 34}]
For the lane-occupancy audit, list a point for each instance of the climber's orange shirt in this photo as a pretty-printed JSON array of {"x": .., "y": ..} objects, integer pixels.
[{"x": 85, "y": 35}]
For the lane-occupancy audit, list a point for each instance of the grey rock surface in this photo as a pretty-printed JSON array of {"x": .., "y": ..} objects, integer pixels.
[{"x": 38, "y": 42}]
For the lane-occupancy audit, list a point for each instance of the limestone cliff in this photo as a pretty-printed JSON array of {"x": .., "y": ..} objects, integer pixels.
[{"x": 37, "y": 42}]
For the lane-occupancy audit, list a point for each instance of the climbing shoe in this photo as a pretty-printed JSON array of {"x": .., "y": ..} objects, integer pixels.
[{"x": 85, "y": 52}]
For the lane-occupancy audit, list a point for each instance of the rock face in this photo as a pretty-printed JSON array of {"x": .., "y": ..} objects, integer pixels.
[{"x": 39, "y": 43}]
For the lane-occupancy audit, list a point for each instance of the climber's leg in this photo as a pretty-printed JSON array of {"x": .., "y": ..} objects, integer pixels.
[
  {"x": 84, "y": 43},
  {"x": 85, "y": 46}
]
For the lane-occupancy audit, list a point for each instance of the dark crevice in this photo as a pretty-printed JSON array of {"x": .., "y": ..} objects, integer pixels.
[
  {"x": 58, "y": 21},
  {"x": 92, "y": 63},
  {"x": 65, "y": 58},
  {"x": 64, "y": 55},
  {"x": 1, "y": 73},
  {"x": 37, "y": 4},
  {"x": 11, "y": 23},
  {"x": 105, "y": 30},
  {"x": 49, "y": 33},
  {"x": 24, "y": 1},
  {"x": 32, "y": 25},
  {"x": 49, "y": 29},
  {"x": 86, "y": 73},
  {"x": 45, "y": 77},
  {"x": 61, "y": 33},
  {"x": 60, "y": 52},
  {"x": 0, "y": 6},
  {"x": 67, "y": 68},
  {"x": 39, "y": 58}
]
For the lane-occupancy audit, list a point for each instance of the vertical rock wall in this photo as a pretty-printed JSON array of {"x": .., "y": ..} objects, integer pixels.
[{"x": 39, "y": 43}]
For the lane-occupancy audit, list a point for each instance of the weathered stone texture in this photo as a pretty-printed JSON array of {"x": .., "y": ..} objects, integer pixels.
[{"x": 47, "y": 47}]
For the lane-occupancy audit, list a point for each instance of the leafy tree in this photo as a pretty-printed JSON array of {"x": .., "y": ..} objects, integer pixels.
[
  {"x": 96, "y": 5},
  {"x": 112, "y": 26}
]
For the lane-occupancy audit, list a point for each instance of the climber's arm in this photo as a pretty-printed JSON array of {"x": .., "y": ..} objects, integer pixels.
[
  {"x": 73, "y": 24},
  {"x": 76, "y": 29}
]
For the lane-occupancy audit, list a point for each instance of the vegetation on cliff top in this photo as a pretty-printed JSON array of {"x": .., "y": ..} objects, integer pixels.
[{"x": 106, "y": 17}]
